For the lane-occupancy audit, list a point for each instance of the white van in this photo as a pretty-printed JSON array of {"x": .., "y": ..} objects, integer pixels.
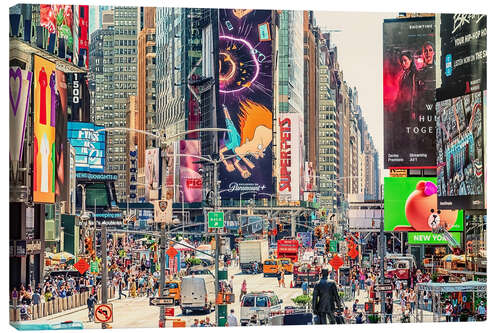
[
  {"x": 197, "y": 294},
  {"x": 261, "y": 304}
]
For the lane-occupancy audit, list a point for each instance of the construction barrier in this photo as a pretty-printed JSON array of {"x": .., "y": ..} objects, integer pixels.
[{"x": 57, "y": 305}]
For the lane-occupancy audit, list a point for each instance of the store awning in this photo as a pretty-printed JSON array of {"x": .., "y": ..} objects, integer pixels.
[{"x": 469, "y": 286}]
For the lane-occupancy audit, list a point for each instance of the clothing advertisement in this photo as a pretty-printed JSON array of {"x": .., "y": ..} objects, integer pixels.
[
  {"x": 409, "y": 93},
  {"x": 19, "y": 103},
  {"x": 245, "y": 102},
  {"x": 190, "y": 178},
  {"x": 44, "y": 163},
  {"x": 152, "y": 172}
]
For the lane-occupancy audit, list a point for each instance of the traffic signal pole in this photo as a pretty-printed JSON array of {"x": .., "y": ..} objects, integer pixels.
[
  {"x": 163, "y": 247},
  {"x": 382, "y": 268},
  {"x": 217, "y": 248},
  {"x": 104, "y": 279}
]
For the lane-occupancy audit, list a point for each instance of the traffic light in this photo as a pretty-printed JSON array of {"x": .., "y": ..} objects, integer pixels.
[
  {"x": 280, "y": 227},
  {"x": 88, "y": 246},
  {"x": 327, "y": 242},
  {"x": 327, "y": 228}
]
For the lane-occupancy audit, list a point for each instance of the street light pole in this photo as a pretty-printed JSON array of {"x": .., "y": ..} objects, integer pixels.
[
  {"x": 217, "y": 248},
  {"x": 163, "y": 248},
  {"x": 382, "y": 263},
  {"x": 104, "y": 279}
]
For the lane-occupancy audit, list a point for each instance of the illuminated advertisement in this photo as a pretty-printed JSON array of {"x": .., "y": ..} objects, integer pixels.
[
  {"x": 82, "y": 57},
  {"x": 78, "y": 97},
  {"x": 245, "y": 101},
  {"x": 309, "y": 182},
  {"x": 169, "y": 170},
  {"x": 291, "y": 156},
  {"x": 411, "y": 204},
  {"x": 58, "y": 20},
  {"x": 19, "y": 103},
  {"x": 44, "y": 102},
  {"x": 61, "y": 137},
  {"x": 459, "y": 137},
  {"x": 90, "y": 146},
  {"x": 152, "y": 171},
  {"x": 460, "y": 109},
  {"x": 409, "y": 93},
  {"x": 190, "y": 177}
]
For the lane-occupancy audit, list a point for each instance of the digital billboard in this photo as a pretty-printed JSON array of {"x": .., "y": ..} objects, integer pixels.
[
  {"x": 460, "y": 112},
  {"x": 152, "y": 172},
  {"x": 90, "y": 146},
  {"x": 44, "y": 102},
  {"x": 58, "y": 20},
  {"x": 19, "y": 103},
  {"x": 190, "y": 178},
  {"x": 291, "y": 156},
  {"x": 409, "y": 93},
  {"x": 410, "y": 204},
  {"x": 245, "y": 103},
  {"x": 78, "y": 97}
]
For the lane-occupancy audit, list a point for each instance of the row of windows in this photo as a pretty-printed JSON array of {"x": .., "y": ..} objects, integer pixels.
[
  {"x": 125, "y": 60},
  {"x": 125, "y": 32},
  {"x": 125, "y": 51},
  {"x": 124, "y": 86},
  {"x": 124, "y": 77}
]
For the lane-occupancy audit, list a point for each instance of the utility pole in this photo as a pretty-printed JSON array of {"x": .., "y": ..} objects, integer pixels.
[
  {"x": 382, "y": 263},
  {"x": 217, "y": 248},
  {"x": 163, "y": 248},
  {"x": 104, "y": 279}
]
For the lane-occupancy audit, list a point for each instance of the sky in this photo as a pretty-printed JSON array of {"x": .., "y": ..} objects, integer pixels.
[{"x": 359, "y": 44}]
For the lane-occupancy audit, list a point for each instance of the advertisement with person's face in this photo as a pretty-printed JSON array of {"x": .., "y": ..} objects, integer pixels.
[
  {"x": 245, "y": 101},
  {"x": 61, "y": 137},
  {"x": 44, "y": 102},
  {"x": 409, "y": 93}
]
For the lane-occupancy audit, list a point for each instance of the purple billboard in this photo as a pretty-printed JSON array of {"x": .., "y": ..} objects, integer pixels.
[{"x": 245, "y": 101}]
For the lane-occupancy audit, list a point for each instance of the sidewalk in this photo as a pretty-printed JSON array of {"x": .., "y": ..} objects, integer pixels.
[{"x": 396, "y": 314}]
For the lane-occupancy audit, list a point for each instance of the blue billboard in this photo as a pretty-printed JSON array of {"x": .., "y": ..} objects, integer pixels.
[{"x": 90, "y": 146}]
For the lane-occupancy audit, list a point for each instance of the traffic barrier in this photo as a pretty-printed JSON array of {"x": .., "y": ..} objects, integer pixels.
[
  {"x": 12, "y": 314},
  {"x": 34, "y": 311},
  {"x": 44, "y": 309}
]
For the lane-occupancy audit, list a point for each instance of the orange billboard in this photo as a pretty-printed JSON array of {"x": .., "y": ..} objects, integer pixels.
[{"x": 44, "y": 101}]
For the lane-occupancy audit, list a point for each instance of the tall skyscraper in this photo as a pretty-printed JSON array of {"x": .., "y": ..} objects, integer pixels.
[{"x": 117, "y": 83}]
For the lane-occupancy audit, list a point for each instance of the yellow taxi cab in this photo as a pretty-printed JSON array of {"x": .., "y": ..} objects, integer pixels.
[
  {"x": 173, "y": 289},
  {"x": 286, "y": 264},
  {"x": 270, "y": 267}
]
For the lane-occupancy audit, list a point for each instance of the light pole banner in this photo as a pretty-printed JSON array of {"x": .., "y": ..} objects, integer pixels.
[
  {"x": 152, "y": 171},
  {"x": 190, "y": 178},
  {"x": 245, "y": 101},
  {"x": 19, "y": 97},
  {"x": 163, "y": 211},
  {"x": 291, "y": 156},
  {"x": 44, "y": 157}
]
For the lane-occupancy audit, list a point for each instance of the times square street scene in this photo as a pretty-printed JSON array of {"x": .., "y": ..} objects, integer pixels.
[{"x": 201, "y": 167}]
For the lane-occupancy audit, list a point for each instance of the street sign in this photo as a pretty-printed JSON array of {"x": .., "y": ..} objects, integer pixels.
[
  {"x": 104, "y": 313},
  {"x": 82, "y": 266},
  {"x": 216, "y": 219},
  {"x": 94, "y": 267},
  {"x": 169, "y": 312},
  {"x": 383, "y": 287},
  {"x": 171, "y": 252},
  {"x": 159, "y": 301},
  {"x": 336, "y": 262}
]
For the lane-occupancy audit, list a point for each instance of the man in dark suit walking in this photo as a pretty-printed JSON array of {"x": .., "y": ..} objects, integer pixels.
[{"x": 326, "y": 299}]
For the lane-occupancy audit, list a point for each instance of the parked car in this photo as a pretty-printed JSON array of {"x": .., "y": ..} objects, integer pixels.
[{"x": 260, "y": 304}]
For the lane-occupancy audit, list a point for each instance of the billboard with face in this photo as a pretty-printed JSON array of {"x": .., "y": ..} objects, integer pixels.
[
  {"x": 410, "y": 204},
  {"x": 152, "y": 172},
  {"x": 190, "y": 178},
  {"x": 409, "y": 93},
  {"x": 44, "y": 101},
  {"x": 245, "y": 101},
  {"x": 90, "y": 146}
]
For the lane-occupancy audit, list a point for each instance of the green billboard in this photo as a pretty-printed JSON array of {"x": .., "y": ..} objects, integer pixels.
[
  {"x": 431, "y": 239},
  {"x": 410, "y": 204}
]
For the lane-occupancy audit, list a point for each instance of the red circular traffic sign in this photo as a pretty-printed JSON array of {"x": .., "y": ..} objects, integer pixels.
[{"x": 104, "y": 313}]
